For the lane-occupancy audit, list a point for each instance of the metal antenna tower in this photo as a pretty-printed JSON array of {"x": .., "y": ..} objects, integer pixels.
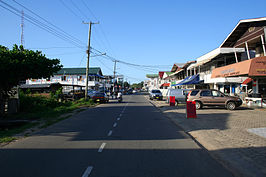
[{"x": 22, "y": 29}]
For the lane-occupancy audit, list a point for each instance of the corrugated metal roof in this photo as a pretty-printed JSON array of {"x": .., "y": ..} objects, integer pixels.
[
  {"x": 151, "y": 75},
  {"x": 79, "y": 71}
]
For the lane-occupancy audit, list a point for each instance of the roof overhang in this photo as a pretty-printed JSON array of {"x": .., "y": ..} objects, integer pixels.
[
  {"x": 215, "y": 53},
  {"x": 240, "y": 29}
]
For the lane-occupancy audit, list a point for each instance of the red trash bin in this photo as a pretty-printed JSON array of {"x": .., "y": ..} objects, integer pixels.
[
  {"x": 191, "y": 109},
  {"x": 172, "y": 100}
]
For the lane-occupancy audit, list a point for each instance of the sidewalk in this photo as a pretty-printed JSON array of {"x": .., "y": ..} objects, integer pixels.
[{"x": 229, "y": 136}]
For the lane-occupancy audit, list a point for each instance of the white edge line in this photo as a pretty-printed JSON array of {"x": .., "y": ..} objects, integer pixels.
[
  {"x": 110, "y": 133},
  {"x": 101, "y": 147},
  {"x": 87, "y": 172}
]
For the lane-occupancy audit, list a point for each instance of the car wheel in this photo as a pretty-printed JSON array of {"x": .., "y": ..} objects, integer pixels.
[
  {"x": 198, "y": 105},
  {"x": 230, "y": 105}
]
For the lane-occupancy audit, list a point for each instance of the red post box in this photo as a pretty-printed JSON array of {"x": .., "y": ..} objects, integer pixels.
[
  {"x": 191, "y": 109},
  {"x": 172, "y": 100}
]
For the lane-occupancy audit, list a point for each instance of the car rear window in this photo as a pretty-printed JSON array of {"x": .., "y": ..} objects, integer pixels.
[
  {"x": 194, "y": 92},
  {"x": 205, "y": 93},
  {"x": 155, "y": 91}
]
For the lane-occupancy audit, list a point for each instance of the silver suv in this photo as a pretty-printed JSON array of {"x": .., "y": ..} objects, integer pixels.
[{"x": 156, "y": 94}]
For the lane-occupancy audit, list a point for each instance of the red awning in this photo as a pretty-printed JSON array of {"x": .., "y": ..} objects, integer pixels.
[
  {"x": 248, "y": 80},
  {"x": 165, "y": 85}
]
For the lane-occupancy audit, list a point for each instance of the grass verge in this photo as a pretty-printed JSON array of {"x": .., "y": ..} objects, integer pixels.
[{"x": 42, "y": 111}]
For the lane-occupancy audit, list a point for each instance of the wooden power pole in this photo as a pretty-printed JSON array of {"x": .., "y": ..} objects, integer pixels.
[{"x": 88, "y": 60}]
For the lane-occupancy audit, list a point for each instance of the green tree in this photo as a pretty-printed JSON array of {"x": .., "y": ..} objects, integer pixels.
[
  {"x": 20, "y": 64},
  {"x": 137, "y": 85}
]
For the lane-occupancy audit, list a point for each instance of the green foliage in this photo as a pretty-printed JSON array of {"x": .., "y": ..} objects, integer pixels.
[
  {"x": 19, "y": 64},
  {"x": 137, "y": 85}
]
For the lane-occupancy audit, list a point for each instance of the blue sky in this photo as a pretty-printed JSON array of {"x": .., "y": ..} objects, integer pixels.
[{"x": 150, "y": 32}]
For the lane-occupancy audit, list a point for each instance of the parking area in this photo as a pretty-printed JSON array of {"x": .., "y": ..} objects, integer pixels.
[{"x": 235, "y": 138}]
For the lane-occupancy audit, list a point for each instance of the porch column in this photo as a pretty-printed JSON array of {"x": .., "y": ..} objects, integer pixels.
[
  {"x": 195, "y": 71},
  {"x": 255, "y": 86},
  {"x": 263, "y": 45},
  {"x": 247, "y": 50},
  {"x": 235, "y": 55}
]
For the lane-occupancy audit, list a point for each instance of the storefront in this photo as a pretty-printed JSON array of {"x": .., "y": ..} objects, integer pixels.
[{"x": 255, "y": 69}]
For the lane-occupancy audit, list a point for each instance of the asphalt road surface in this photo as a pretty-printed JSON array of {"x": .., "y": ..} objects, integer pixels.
[{"x": 129, "y": 139}]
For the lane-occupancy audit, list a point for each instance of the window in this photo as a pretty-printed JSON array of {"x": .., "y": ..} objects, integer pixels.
[
  {"x": 206, "y": 93},
  {"x": 194, "y": 92},
  {"x": 63, "y": 78},
  {"x": 216, "y": 94},
  {"x": 155, "y": 91}
]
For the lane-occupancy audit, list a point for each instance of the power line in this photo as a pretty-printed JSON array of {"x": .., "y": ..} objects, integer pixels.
[
  {"x": 62, "y": 2},
  {"x": 101, "y": 29},
  {"x": 77, "y": 40},
  {"x": 41, "y": 25}
]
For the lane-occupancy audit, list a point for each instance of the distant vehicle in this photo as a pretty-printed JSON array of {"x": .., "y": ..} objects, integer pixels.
[
  {"x": 90, "y": 93},
  {"x": 212, "y": 97},
  {"x": 156, "y": 94},
  {"x": 100, "y": 97},
  {"x": 129, "y": 91},
  {"x": 134, "y": 91},
  {"x": 179, "y": 94}
]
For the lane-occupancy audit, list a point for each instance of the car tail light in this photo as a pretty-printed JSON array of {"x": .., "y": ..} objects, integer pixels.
[{"x": 188, "y": 95}]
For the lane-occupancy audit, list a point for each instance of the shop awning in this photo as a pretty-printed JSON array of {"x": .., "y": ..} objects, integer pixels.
[
  {"x": 180, "y": 83},
  {"x": 193, "y": 80},
  {"x": 190, "y": 80},
  {"x": 248, "y": 80},
  {"x": 253, "y": 67},
  {"x": 165, "y": 85}
]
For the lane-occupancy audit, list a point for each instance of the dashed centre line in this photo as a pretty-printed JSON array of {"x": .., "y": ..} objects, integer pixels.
[
  {"x": 87, "y": 172},
  {"x": 110, "y": 133},
  {"x": 115, "y": 124},
  {"x": 101, "y": 147},
  {"x": 118, "y": 118}
]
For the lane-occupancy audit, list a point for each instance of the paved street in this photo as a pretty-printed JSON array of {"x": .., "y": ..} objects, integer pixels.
[
  {"x": 234, "y": 137},
  {"x": 129, "y": 139}
]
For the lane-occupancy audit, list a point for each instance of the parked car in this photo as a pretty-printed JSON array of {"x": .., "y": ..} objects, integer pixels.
[
  {"x": 179, "y": 94},
  {"x": 91, "y": 93},
  {"x": 212, "y": 97},
  {"x": 100, "y": 97},
  {"x": 156, "y": 94}
]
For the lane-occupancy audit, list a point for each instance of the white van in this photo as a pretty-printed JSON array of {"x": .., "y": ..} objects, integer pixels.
[{"x": 179, "y": 94}]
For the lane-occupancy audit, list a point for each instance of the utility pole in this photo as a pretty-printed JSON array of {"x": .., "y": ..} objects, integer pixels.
[
  {"x": 114, "y": 75},
  {"x": 88, "y": 60}
]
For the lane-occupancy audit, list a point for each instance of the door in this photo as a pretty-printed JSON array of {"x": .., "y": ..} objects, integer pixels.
[
  {"x": 218, "y": 98},
  {"x": 206, "y": 97}
]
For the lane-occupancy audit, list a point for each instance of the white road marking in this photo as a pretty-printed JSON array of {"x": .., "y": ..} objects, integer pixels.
[
  {"x": 115, "y": 124},
  {"x": 101, "y": 147},
  {"x": 87, "y": 172},
  {"x": 110, "y": 133},
  {"x": 120, "y": 115},
  {"x": 118, "y": 118}
]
